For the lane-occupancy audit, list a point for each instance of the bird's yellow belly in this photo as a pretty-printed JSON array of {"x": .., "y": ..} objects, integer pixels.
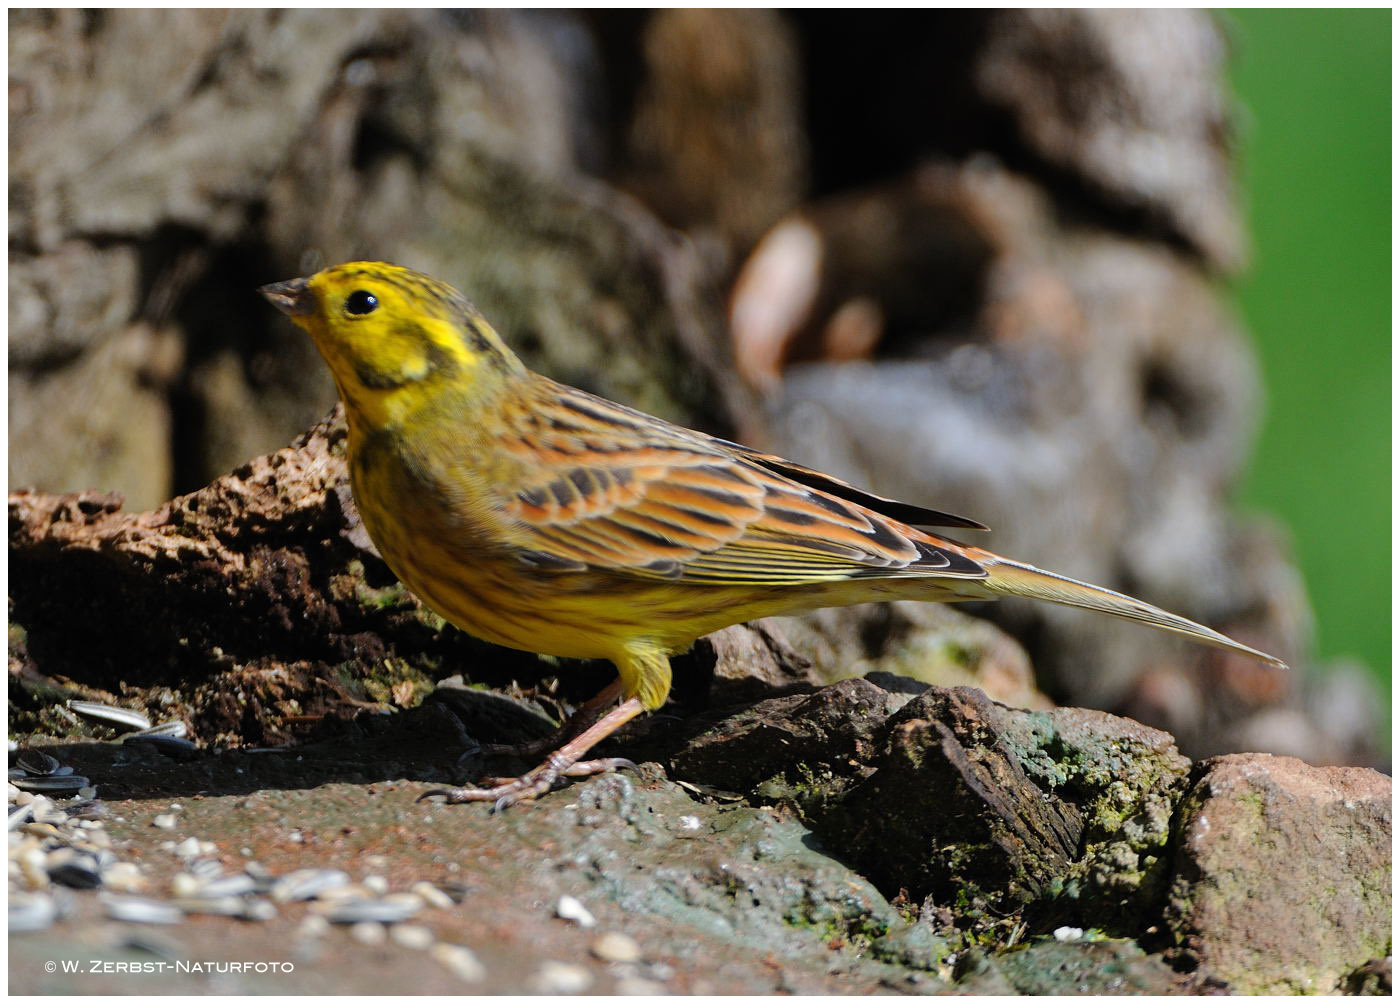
[
  {"x": 490, "y": 594},
  {"x": 577, "y": 615}
]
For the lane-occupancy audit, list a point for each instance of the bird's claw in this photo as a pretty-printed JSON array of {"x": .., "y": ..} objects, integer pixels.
[
  {"x": 502, "y": 796},
  {"x": 587, "y": 768}
]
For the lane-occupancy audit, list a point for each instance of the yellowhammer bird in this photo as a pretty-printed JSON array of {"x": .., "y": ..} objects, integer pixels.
[{"x": 540, "y": 517}]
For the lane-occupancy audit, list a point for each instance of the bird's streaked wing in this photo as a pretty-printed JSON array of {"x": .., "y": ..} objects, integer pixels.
[{"x": 616, "y": 489}]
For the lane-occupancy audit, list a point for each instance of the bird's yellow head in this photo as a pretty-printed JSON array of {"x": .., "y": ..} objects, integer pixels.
[{"x": 393, "y": 337}]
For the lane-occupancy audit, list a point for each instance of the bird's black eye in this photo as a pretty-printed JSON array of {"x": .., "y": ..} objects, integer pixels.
[{"x": 361, "y": 301}]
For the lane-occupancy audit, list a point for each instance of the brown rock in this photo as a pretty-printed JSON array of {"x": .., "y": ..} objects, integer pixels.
[
  {"x": 1283, "y": 877},
  {"x": 752, "y": 661},
  {"x": 952, "y": 799},
  {"x": 835, "y": 731},
  {"x": 1002, "y": 816}
]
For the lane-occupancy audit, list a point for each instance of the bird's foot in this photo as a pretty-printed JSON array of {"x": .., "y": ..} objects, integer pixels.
[
  {"x": 567, "y": 761},
  {"x": 507, "y": 791}
]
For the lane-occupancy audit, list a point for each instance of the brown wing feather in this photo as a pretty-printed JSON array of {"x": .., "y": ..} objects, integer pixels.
[
  {"x": 903, "y": 511},
  {"x": 614, "y": 488}
]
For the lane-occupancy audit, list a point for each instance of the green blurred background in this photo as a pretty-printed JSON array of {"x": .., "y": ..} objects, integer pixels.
[{"x": 1315, "y": 90}]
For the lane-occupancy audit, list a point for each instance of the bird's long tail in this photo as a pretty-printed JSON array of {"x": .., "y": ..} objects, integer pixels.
[{"x": 1011, "y": 578}]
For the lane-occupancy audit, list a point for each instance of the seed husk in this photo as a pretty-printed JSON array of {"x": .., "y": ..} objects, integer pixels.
[
  {"x": 307, "y": 883},
  {"x": 140, "y": 910},
  {"x": 54, "y": 783},
  {"x": 108, "y": 714},
  {"x": 37, "y": 762}
]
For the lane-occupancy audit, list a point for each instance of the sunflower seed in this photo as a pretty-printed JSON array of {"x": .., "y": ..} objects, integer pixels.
[
  {"x": 58, "y": 783},
  {"x": 459, "y": 960},
  {"x": 258, "y": 909},
  {"x": 228, "y": 885},
  {"x": 31, "y": 911},
  {"x": 185, "y": 886},
  {"x": 614, "y": 946},
  {"x": 262, "y": 879},
  {"x": 456, "y": 889},
  {"x": 307, "y": 883},
  {"x": 342, "y": 893},
  {"x": 20, "y": 814},
  {"x": 367, "y": 932},
  {"x": 37, "y": 762},
  {"x": 411, "y": 936},
  {"x": 30, "y": 859},
  {"x": 78, "y": 872},
  {"x": 186, "y": 849},
  {"x": 47, "y": 812},
  {"x": 92, "y": 838},
  {"x": 123, "y": 876},
  {"x": 257, "y": 869},
  {"x": 90, "y": 810},
  {"x": 388, "y": 910},
  {"x": 217, "y": 906},
  {"x": 122, "y": 718},
  {"x": 431, "y": 895},
  {"x": 207, "y": 869},
  {"x": 312, "y": 926},
  {"x": 631, "y": 985},
  {"x": 140, "y": 910},
  {"x": 570, "y": 908},
  {"x": 562, "y": 978},
  {"x": 174, "y": 747}
]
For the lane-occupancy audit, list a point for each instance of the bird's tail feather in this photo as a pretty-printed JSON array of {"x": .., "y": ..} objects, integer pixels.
[{"x": 1011, "y": 578}]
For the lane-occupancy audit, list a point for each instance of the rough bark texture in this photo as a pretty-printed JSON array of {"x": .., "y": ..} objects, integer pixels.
[{"x": 967, "y": 260}]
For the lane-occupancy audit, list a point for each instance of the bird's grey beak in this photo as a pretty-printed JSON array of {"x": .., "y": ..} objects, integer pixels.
[{"x": 293, "y": 297}]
